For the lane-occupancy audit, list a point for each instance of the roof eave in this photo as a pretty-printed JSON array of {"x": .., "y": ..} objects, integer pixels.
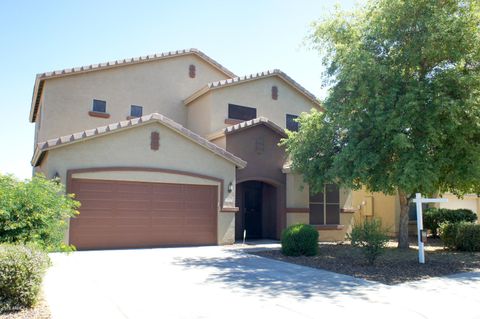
[
  {"x": 196, "y": 95},
  {"x": 123, "y": 125},
  {"x": 118, "y": 63},
  {"x": 237, "y": 80}
]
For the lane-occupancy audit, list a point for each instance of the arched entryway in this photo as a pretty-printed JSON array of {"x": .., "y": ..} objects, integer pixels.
[{"x": 257, "y": 216}]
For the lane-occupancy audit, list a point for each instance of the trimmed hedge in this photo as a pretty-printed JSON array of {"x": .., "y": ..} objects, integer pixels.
[
  {"x": 300, "y": 240},
  {"x": 461, "y": 236},
  {"x": 21, "y": 272},
  {"x": 433, "y": 217}
]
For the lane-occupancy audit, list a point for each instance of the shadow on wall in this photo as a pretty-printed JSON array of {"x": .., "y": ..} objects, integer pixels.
[{"x": 267, "y": 278}]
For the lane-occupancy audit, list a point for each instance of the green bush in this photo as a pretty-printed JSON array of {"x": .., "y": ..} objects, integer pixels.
[
  {"x": 35, "y": 211},
  {"x": 448, "y": 234},
  {"x": 21, "y": 272},
  {"x": 433, "y": 217},
  {"x": 371, "y": 237},
  {"x": 468, "y": 237},
  {"x": 299, "y": 240}
]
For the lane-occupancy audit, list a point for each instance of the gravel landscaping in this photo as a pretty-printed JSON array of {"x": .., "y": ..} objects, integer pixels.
[
  {"x": 395, "y": 266},
  {"x": 39, "y": 311}
]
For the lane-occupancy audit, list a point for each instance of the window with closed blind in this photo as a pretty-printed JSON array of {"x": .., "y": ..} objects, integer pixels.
[
  {"x": 291, "y": 123},
  {"x": 244, "y": 113},
  {"x": 325, "y": 206}
]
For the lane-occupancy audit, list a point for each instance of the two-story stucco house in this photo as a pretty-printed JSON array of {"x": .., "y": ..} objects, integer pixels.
[{"x": 175, "y": 149}]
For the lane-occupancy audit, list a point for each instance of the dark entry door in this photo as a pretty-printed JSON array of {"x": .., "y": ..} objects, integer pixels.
[{"x": 253, "y": 210}]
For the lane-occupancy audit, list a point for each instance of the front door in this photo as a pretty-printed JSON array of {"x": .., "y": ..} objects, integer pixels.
[{"x": 253, "y": 210}]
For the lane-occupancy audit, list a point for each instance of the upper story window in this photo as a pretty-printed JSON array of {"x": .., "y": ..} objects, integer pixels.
[
  {"x": 243, "y": 113},
  {"x": 99, "y": 106},
  {"x": 136, "y": 111},
  {"x": 291, "y": 124}
]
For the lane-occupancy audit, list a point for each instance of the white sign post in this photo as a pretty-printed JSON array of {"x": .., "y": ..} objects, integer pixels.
[{"x": 419, "y": 201}]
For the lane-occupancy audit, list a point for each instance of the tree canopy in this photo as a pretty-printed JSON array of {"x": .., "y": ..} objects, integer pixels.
[
  {"x": 35, "y": 212},
  {"x": 403, "y": 110}
]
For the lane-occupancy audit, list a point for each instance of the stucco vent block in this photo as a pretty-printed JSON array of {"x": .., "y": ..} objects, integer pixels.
[
  {"x": 154, "y": 141},
  {"x": 192, "y": 71}
]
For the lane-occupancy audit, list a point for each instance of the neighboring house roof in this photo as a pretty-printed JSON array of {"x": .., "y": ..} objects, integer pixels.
[
  {"x": 43, "y": 147},
  {"x": 253, "y": 77},
  {"x": 41, "y": 77},
  {"x": 248, "y": 124}
]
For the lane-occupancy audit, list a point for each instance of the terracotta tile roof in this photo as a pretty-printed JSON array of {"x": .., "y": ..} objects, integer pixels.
[
  {"x": 255, "y": 122},
  {"x": 41, "y": 77},
  {"x": 247, "y": 124},
  {"x": 43, "y": 147},
  {"x": 253, "y": 77}
]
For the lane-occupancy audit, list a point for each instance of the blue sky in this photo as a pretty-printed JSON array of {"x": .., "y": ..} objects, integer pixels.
[{"x": 244, "y": 36}]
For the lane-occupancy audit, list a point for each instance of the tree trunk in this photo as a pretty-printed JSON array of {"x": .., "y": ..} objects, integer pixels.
[{"x": 403, "y": 227}]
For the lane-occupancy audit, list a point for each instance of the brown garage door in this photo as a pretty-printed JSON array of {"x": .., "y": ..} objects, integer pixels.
[{"x": 121, "y": 214}]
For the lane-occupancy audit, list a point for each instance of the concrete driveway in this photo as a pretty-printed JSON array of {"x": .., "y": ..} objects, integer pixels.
[{"x": 225, "y": 282}]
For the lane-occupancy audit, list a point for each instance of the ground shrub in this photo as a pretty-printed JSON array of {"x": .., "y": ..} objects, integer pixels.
[
  {"x": 433, "y": 217},
  {"x": 35, "y": 211},
  {"x": 468, "y": 237},
  {"x": 300, "y": 240},
  {"x": 371, "y": 237},
  {"x": 21, "y": 272},
  {"x": 448, "y": 234}
]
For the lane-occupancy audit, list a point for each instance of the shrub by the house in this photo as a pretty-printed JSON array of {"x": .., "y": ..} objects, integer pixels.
[
  {"x": 433, "y": 217},
  {"x": 448, "y": 234},
  {"x": 300, "y": 240},
  {"x": 468, "y": 237},
  {"x": 35, "y": 211},
  {"x": 462, "y": 236},
  {"x": 21, "y": 272},
  {"x": 371, "y": 237}
]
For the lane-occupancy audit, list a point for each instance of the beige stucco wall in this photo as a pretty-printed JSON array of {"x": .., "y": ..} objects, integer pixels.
[
  {"x": 297, "y": 218},
  {"x": 469, "y": 201},
  {"x": 131, "y": 148},
  {"x": 385, "y": 207},
  {"x": 226, "y": 228},
  {"x": 255, "y": 94},
  {"x": 297, "y": 192},
  {"x": 159, "y": 86},
  {"x": 199, "y": 114}
]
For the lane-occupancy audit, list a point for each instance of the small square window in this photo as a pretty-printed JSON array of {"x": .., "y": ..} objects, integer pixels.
[
  {"x": 136, "y": 111},
  {"x": 291, "y": 123},
  {"x": 99, "y": 106}
]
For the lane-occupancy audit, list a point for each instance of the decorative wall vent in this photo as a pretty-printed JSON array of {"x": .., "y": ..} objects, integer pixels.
[
  {"x": 154, "y": 141},
  {"x": 274, "y": 92},
  {"x": 192, "y": 71},
  {"x": 259, "y": 145}
]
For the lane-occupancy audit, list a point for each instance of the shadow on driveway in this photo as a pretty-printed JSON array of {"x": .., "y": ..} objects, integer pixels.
[{"x": 267, "y": 277}]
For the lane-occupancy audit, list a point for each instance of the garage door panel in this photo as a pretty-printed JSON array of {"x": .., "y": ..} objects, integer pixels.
[
  {"x": 94, "y": 186},
  {"x": 121, "y": 214},
  {"x": 133, "y": 187},
  {"x": 97, "y": 204},
  {"x": 95, "y": 195},
  {"x": 127, "y": 196},
  {"x": 85, "y": 224},
  {"x": 198, "y": 205},
  {"x": 133, "y": 205},
  {"x": 166, "y": 206}
]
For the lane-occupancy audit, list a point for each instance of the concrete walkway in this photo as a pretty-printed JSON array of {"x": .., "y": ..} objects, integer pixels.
[{"x": 225, "y": 282}]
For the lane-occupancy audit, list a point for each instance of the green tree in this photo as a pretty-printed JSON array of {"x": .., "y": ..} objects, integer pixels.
[
  {"x": 403, "y": 111},
  {"x": 35, "y": 211}
]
